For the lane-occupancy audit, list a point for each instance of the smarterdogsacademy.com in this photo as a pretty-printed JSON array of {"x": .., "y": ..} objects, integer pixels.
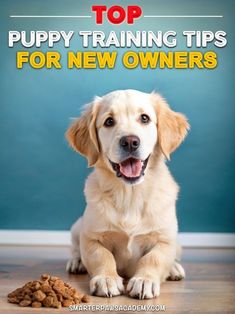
[{"x": 118, "y": 308}]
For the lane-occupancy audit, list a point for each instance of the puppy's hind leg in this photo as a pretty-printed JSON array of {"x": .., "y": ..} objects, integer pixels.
[
  {"x": 74, "y": 264},
  {"x": 177, "y": 271}
]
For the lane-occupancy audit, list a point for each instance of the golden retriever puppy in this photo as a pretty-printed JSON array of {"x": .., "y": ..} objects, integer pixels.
[{"x": 129, "y": 227}]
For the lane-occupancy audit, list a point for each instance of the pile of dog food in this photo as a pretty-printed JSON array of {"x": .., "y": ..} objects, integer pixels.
[{"x": 49, "y": 291}]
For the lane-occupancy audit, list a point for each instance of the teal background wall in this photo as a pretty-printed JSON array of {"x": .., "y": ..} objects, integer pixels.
[{"x": 42, "y": 179}]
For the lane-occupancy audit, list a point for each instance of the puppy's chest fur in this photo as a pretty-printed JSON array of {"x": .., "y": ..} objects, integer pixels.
[
  {"x": 127, "y": 221},
  {"x": 130, "y": 228},
  {"x": 128, "y": 211}
]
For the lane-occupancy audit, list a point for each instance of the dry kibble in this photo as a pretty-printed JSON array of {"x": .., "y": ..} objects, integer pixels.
[
  {"x": 13, "y": 300},
  {"x": 27, "y": 291},
  {"x": 64, "y": 291},
  {"x": 57, "y": 282},
  {"x": 57, "y": 305},
  {"x": 67, "y": 303},
  {"x": 27, "y": 297},
  {"x": 39, "y": 295},
  {"x": 50, "y": 291},
  {"x": 34, "y": 287},
  {"x": 60, "y": 297},
  {"x": 85, "y": 298},
  {"x": 73, "y": 290},
  {"x": 25, "y": 303},
  {"x": 37, "y": 286},
  {"x": 77, "y": 295},
  {"x": 45, "y": 276},
  {"x": 46, "y": 288},
  {"x": 36, "y": 304},
  {"x": 48, "y": 301},
  {"x": 20, "y": 297}
]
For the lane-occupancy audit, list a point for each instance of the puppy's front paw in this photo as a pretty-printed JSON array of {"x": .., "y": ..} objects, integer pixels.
[
  {"x": 143, "y": 288},
  {"x": 177, "y": 272},
  {"x": 75, "y": 266},
  {"x": 106, "y": 286}
]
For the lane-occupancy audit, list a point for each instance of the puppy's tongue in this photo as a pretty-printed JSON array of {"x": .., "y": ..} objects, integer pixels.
[{"x": 131, "y": 168}]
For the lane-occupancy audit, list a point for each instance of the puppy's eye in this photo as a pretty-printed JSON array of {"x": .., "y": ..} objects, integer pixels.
[
  {"x": 109, "y": 122},
  {"x": 144, "y": 118}
]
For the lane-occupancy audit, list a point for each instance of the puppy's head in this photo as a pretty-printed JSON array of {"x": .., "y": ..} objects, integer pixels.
[{"x": 123, "y": 129}]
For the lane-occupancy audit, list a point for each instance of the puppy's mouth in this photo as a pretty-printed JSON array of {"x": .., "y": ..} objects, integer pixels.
[{"x": 130, "y": 169}]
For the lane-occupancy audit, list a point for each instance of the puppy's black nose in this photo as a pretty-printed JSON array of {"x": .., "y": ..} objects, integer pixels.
[{"x": 130, "y": 143}]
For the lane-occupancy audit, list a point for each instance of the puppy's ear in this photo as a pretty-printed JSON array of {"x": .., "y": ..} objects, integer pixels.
[
  {"x": 172, "y": 126},
  {"x": 82, "y": 135}
]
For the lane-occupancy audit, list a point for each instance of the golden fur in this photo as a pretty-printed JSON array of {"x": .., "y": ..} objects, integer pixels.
[{"x": 127, "y": 230}]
